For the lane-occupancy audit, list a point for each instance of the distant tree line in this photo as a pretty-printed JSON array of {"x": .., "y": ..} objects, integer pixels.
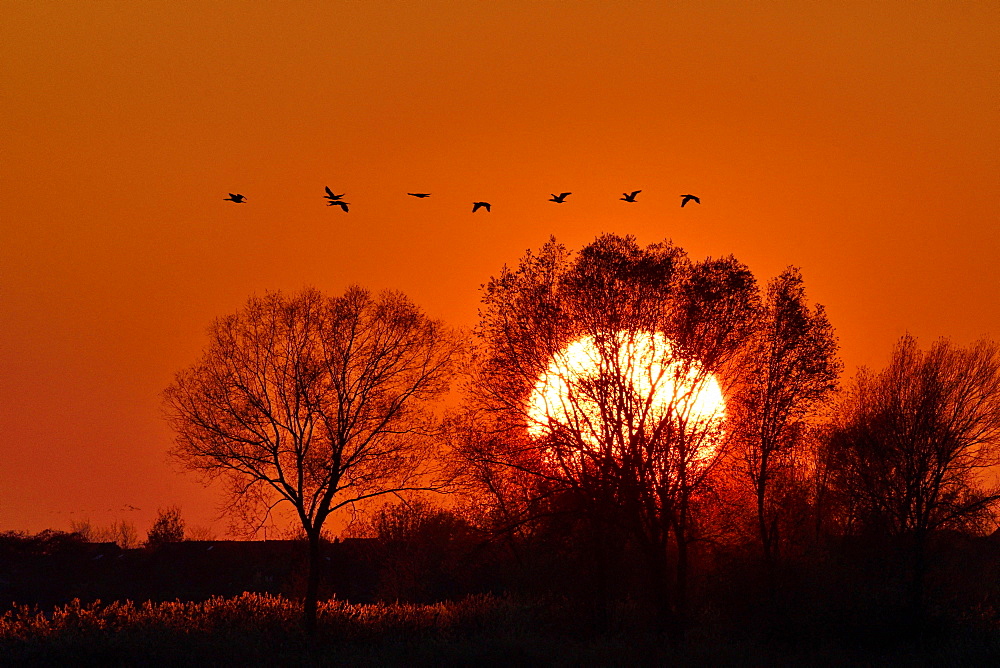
[
  {"x": 810, "y": 484},
  {"x": 168, "y": 527}
]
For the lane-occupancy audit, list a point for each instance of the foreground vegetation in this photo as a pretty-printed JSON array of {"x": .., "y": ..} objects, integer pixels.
[{"x": 255, "y": 629}]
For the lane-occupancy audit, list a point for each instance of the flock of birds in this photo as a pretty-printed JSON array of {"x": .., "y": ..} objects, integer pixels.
[{"x": 337, "y": 200}]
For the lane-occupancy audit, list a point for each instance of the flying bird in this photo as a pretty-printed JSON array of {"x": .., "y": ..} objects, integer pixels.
[
  {"x": 420, "y": 195},
  {"x": 236, "y": 197},
  {"x": 630, "y": 197},
  {"x": 478, "y": 205},
  {"x": 560, "y": 198},
  {"x": 342, "y": 205},
  {"x": 687, "y": 198},
  {"x": 330, "y": 196}
]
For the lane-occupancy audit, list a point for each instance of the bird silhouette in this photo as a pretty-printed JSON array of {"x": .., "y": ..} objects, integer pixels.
[
  {"x": 342, "y": 205},
  {"x": 420, "y": 195},
  {"x": 630, "y": 197},
  {"x": 687, "y": 198},
  {"x": 330, "y": 196},
  {"x": 236, "y": 197},
  {"x": 560, "y": 198},
  {"x": 477, "y": 205}
]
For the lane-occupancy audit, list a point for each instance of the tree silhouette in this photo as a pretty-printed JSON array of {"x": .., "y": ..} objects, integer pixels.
[
  {"x": 792, "y": 369},
  {"x": 908, "y": 445},
  {"x": 653, "y": 322},
  {"x": 315, "y": 402},
  {"x": 124, "y": 533},
  {"x": 121, "y": 532},
  {"x": 167, "y": 528}
]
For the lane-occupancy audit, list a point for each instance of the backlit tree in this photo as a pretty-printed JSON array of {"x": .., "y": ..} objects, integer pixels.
[
  {"x": 791, "y": 369},
  {"x": 597, "y": 370},
  {"x": 167, "y": 528},
  {"x": 314, "y": 402},
  {"x": 909, "y": 445}
]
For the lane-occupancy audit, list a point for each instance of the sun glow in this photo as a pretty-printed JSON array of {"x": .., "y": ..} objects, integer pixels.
[{"x": 608, "y": 392}]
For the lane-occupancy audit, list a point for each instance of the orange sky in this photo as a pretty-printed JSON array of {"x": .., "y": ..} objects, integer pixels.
[{"x": 858, "y": 140}]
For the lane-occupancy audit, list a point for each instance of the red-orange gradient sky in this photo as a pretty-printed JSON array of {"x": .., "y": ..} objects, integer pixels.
[{"x": 858, "y": 140}]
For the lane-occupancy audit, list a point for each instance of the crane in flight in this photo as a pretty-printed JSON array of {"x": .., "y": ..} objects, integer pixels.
[
  {"x": 687, "y": 198},
  {"x": 480, "y": 205},
  {"x": 630, "y": 197},
  {"x": 236, "y": 197},
  {"x": 560, "y": 198},
  {"x": 330, "y": 196}
]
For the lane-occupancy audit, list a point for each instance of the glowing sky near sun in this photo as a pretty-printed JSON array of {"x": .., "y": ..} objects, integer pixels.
[{"x": 583, "y": 383}]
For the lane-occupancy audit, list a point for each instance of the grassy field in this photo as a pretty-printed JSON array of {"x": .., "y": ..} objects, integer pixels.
[{"x": 255, "y": 629}]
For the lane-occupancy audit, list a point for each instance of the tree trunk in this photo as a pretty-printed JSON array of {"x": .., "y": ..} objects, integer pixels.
[
  {"x": 681, "y": 595},
  {"x": 765, "y": 534},
  {"x": 919, "y": 575},
  {"x": 601, "y": 596},
  {"x": 682, "y": 577},
  {"x": 659, "y": 583},
  {"x": 312, "y": 584}
]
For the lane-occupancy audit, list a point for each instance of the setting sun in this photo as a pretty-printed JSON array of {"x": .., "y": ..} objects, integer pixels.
[{"x": 609, "y": 391}]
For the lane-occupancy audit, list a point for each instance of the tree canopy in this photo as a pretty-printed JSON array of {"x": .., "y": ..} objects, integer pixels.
[{"x": 314, "y": 401}]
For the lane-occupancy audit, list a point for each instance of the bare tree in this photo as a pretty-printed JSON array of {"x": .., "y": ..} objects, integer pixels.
[
  {"x": 199, "y": 532},
  {"x": 124, "y": 533},
  {"x": 167, "y": 528},
  {"x": 87, "y": 531},
  {"x": 792, "y": 369},
  {"x": 909, "y": 444},
  {"x": 314, "y": 402},
  {"x": 598, "y": 366},
  {"x": 121, "y": 532}
]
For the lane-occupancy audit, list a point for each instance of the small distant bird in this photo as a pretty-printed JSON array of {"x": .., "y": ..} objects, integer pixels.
[
  {"x": 687, "y": 198},
  {"x": 330, "y": 196},
  {"x": 478, "y": 205},
  {"x": 420, "y": 195},
  {"x": 236, "y": 197},
  {"x": 560, "y": 198},
  {"x": 342, "y": 205},
  {"x": 630, "y": 197}
]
